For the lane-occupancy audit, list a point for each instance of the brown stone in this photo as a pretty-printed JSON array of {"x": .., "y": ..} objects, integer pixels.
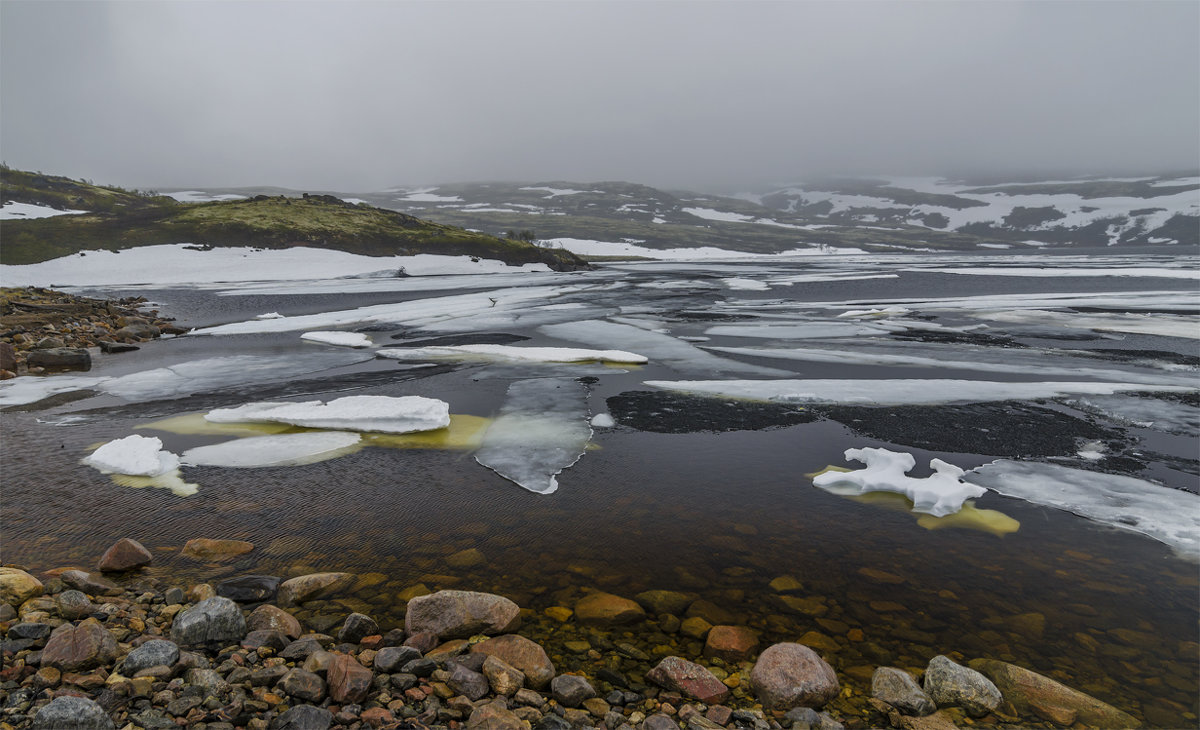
[
  {"x": 502, "y": 677},
  {"x": 203, "y": 548},
  {"x": 731, "y": 643},
  {"x": 494, "y": 716},
  {"x": 125, "y": 554},
  {"x": 605, "y": 609},
  {"x": 459, "y": 614},
  {"x": 1030, "y": 692},
  {"x": 91, "y": 583},
  {"x": 349, "y": 681},
  {"x": 680, "y": 675},
  {"x": 72, "y": 648},
  {"x": 792, "y": 675},
  {"x": 272, "y": 618},
  {"x": 377, "y": 717},
  {"x": 710, "y": 612},
  {"x": 17, "y": 586},
  {"x": 527, "y": 656},
  {"x": 881, "y": 576},
  {"x": 314, "y": 585}
]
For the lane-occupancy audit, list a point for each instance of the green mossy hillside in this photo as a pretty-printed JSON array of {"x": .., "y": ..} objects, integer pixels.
[{"x": 120, "y": 219}]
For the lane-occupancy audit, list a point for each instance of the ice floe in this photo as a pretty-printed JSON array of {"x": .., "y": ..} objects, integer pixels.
[
  {"x": 796, "y": 330},
  {"x": 1158, "y": 414},
  {"x": 291, "y": 449},
  {"x": 662, "y": 348},
  {"x": 603, "y": 420},
  {"x": 744, "y": 284},
  {"x": 897, "y": 392},
  {"x": 379, "y": 413},
  {"x": 1163, "y": 325},
  {"x": 542, "y": 429},
  {"x": 1171, "y": 516},
  {"x": 508, "y": 352},
  {"x": 174, "y": 264},
  {"x": 133, "y": 455},
  {"x": 13, "y": 211},
  {"x": 341, "y": 339},
  {"x": 938, "y": 494}
]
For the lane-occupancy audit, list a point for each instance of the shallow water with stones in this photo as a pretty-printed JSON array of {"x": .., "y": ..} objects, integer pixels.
[{"x": 687, "y": 493}]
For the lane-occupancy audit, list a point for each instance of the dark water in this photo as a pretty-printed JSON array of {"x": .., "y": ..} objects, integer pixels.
[{"x": 720, "y": 514}]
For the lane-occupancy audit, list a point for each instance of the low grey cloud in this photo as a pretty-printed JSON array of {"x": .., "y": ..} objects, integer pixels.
[{"x": 365, "y": 95}]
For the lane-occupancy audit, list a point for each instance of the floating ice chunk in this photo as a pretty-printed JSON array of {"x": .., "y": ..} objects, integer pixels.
[
  {"x": 133, "y": 455},
  {"x": 1171, "y": 516},
  {"x": 377, "y": 413},
  {"x": 508, "y": 352},
  {"x": 1160, "y": 415},
  {"x": 897, "y": 392},
  {"x": 941, "y": 493},
  {"x": 1092, "y": 451},
  {"x": 744, "y": 284},
  {"x": 795, "y": 331},
  {"x": 269, "y": 315},
  {"x": 280, "y": 450},
  {"x": 876, "y": 312},
  {"x": 1164, "y": 325},
  {"x": 341, "y": 339},
  {"x": 603, "y": 420},
  {"x": 675, "y": 353},
  {"x": 541, "y": 430}
]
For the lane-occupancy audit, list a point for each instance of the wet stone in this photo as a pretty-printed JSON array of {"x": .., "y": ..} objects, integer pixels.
[
  {"x": 349, "y": 681},
  {"x": 390, "y": 658},
  {"x": 27, "y": 630},
  {"x": 730, "y": 643},
  {"x": 304, "y": 717},
  {"x": 17, "y": 586},
  {"x": 303, "y": 685},
  {"x": 950, "y": 684},
  {"x": 659, "y": 721},
  {"x": 72, "y": 713},
  {"x": 494, "y": 716},
  {"x": 274, "y": 640},
  {"x": 213, "y": 620},
  {"x": 272, "y": 618},
  {"x": 525, "y": 655},
  {"x": 472, "y": 685},
  {"x": 151, "y": 654},
  {"x": 459, "y": 614},
  {"x": 249, "y": 588},
  {"x": 422, "y": 641},
  {"x": 606, "y": 609},
  {"x": 898, "y": 689},
  {"x": 125, "y": 554},
  {"x": 86, "y": 645},
  {"x": 357, "y": 627},
  {"x": 790, "y": 675},
  {"x": 73, "y": 604},
  {"x": 503, "y": 678},
  {"x": 420, "y": 667},
  {"x": 660, "y": 602},
  {"x": 571, "y": 690},
  {"x": 689, "y": 679},
  {"x": 90, "y": 583}
]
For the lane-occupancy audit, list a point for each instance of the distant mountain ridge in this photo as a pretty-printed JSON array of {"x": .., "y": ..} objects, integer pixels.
[{"x": 874, "y": 215}]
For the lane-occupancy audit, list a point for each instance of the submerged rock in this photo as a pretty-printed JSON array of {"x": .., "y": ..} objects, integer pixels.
[
  {"x": 730, "y": 643},
  {"x": 215, "y": 550},
  {"x": 459, "y": 614},
  {"x": 125, "y": 554},
  {"x": 605, "y": 609},
  {"x": 249, "y": 588},
  {"x": 1030, "y": 692},
  {"x": 91, "y": 583},
  {"x": 314, "y": 585},
  {"x": 789, "y": 675},
  {"x": 272, "y": 618}
]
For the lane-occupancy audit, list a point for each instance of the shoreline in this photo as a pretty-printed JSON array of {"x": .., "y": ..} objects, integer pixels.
[
  {"x": 249, "y": 652},
  {"x": 45, "y": 331}
]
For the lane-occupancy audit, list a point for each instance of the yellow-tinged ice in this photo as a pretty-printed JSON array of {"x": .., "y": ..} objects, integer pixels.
[
  {"x": 463, "y": 434},
  {"x": 194, "y": 424},
  {"x": 172, "y": 480}
]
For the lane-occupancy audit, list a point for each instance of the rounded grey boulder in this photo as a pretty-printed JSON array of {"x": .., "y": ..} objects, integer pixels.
[
  {"x": 304, "y": 717},
  {"x": 157, "y": 652},
  {"x": 72, "y": 713},
  {"x": 213, "y": 620},
  {"x": 897, "y": 688},
  {"x": 948, "y": 683}
]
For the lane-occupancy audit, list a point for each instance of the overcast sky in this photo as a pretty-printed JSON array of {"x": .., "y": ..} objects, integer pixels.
[{"x": 358, "y": 96}]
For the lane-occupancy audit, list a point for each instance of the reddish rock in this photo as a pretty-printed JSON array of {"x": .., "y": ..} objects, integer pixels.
[
  {"x": 314, "y": 585},
  {"x": 687, "y": 678},
  {"x": 423, "y": 641},
  {"x": 792, "y": 675},
  {"x": 87, "y": 645},
  {"x": 125, "y": 554},
  {"x": 459, "y": 614},
  {"x": 90, "y": 583},
  {"x": 215, "y": 550},
  {"x": 349, "y": 681},
  {"x": 494, "y": 716},
  {"x": 731, "y": 643},
  {"x": 605, "y": 609},
  {"x": 271, "y": 618},
  {"x": 521, "y": 653},
  {"x": 377, "y": 717}
]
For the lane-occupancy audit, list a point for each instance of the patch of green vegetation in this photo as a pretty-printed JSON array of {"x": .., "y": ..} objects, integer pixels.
[{"x": 321, "y": 221}]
